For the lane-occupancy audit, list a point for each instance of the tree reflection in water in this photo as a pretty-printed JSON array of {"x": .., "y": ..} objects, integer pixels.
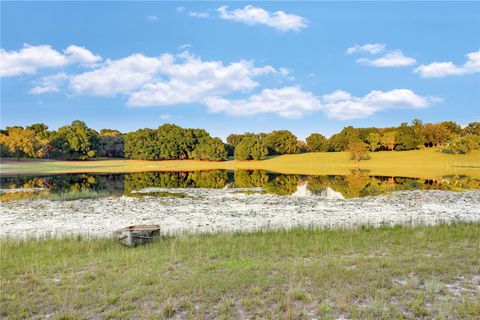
[{"x": 356, "y": 184}]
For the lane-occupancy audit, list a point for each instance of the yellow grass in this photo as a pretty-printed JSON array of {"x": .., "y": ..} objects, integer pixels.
[{"x": 416, "y": 163}]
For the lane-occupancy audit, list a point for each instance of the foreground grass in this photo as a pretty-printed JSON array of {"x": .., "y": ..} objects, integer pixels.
[
  {"x": 401, "y": 272},
  {"x": 427, "y": 164}
]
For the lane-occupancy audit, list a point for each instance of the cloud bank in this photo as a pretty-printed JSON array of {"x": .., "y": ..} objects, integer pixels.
[{"x": 168, "y": 79}]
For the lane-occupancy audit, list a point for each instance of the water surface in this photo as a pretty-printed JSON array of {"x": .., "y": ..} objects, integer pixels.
[{"x": 354, "y": 185}]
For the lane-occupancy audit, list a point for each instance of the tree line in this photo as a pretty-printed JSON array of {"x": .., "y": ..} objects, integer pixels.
[{"x": 77, "y": 141}]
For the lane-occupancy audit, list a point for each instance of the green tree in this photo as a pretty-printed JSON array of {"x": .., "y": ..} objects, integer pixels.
[
  {"x": 40, "y": 129},
  {"x": 281, "y": 142},
  {"x": 234, "y": 139},
  {"x": 358, "y": 150},
  {"x": 472, "y": 128},
  {"x": 111, "y": 144},
  {"x": 76, "y": 141},
  {"x": 171, "y": 142},
  {"x": 317, "y": 142},
  {"x": 341, "y": 140},
  {"x": 141, "y": 144},
  {"x": 436, "y": 134},
  {"x": 389, "y": 140},
  {"x": 463, "y": 145},
  {"x": 373, "y": 140},
  {"x": 210, "y": 149},
  {"x": 418, "y": 127},
  {"x": 407, "y": 139},
  {"x": 251, "y": 148},
  {"x": 452, "y": 126}
]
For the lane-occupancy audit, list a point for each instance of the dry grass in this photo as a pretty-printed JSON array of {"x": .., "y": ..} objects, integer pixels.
[{"x": 427, "y": 164}]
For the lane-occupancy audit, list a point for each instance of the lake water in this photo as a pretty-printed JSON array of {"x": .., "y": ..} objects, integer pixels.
[
  {"x": 356, "y": 184},
  {"x": 218, "y": 201}
]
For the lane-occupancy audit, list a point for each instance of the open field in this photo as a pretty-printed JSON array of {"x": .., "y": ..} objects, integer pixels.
[
  {"x": 373, "y": 273},
  {"x": 426, "y": 164}
]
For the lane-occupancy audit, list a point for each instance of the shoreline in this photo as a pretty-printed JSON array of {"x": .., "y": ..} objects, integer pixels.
[{"x": 225, "y": 210}]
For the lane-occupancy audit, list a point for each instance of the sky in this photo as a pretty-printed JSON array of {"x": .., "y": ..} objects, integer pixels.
[{"x": 235, "y": 67}]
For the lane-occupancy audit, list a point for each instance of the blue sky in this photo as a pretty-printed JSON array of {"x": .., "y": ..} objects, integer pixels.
[{"x": 232, "y": 67}]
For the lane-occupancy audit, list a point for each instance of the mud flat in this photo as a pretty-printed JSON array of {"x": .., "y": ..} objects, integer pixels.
[{"x": 214, "y": 210}]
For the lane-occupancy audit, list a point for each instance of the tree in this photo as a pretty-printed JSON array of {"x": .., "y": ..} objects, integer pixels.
[
  {"x": 40, "y": 129},
  {"x": 234, "y": 139},
  {"x": 373, "y": 140},
  {"x": 22, "y": 142},
  {"x": 111, "y": 144},
  {"x": 171, "y": 142},
  {"x": 407, "y": 139},
  {"x": 251, "y": 147},
  {"x": 281, "y": 142},
  {"x": 210, "y": 149},
  {"x": 340, "y": 141},
  {"x": 358, "y": 150},
  {"x": 388, "y": 140},
  {"x": 436, "y": 134},
  {"x": 451, "y": 126},
  {"x": 463, "y": 145},
  {"x": 472, "y": 128},
  {"x": 76, "y": 141},
  {"x": 141, "y": 144},
  {"x": 302, "y": 146},
  {"x": 317, "y": 142},
  {"x": 418, "y": 127}
]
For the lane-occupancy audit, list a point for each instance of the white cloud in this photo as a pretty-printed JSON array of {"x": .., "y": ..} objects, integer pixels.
[
  {"x": 152, "y": 18},
  {"x": 194, "y": 80},
  {"x": 50, "y": 83},
  {"x": 287, "y": 102},
  {"x": 372, "y": 48},
  {"x": 29, "y": 59},
  {"x": 252, "y": 15},
  {"x": 186, "y": 78},
  {"x": 180, "y": 9},
  {"x": 443, "y": 69},
  {"x": 145, "y": 81},
  {"x": 342, "y": 105},
  {"x": 198, "y": 14},
  {"x": 80, "y": 55},
  {"x": 393, "y": 59},
  {"x": 120, "y": 76}
]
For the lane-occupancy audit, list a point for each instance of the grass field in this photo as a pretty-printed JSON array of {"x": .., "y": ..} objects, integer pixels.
[
  {"x": 427, "y": 163},
  {"x": 365, "y": 273}
]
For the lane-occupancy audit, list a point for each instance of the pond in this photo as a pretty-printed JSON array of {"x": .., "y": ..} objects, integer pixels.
[
  {"x": 356, "y": 184},
  {"x": 219, "y": 201}
]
